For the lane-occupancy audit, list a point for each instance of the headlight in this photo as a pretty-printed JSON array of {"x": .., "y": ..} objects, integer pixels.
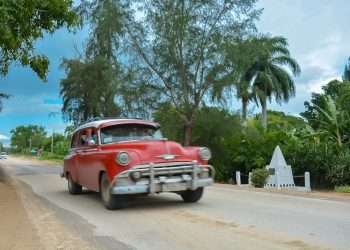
[
  {"x": 123, "y": 158},
  {"x": 205, "y": 154}
]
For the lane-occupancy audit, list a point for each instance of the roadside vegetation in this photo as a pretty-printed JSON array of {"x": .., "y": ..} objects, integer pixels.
[
  {"x": 342, "y": 189},
  {"x": 185, "y": 64},
  {"x": 259, "y": 176}
]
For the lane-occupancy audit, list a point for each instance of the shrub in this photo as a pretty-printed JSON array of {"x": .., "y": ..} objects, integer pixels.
[
  {"x": 50, "y": 156},
  {"x": 259, "y": 177},
  {"x": 342, "y": 189}
]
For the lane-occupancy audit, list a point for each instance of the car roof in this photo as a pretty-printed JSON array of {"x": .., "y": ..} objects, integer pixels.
[{"x": 111, "y": 122}]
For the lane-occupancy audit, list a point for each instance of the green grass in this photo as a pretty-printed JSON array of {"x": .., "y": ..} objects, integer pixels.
[
  {"x": 342, "y": 189},
  {"x": 51, "y": 157}
]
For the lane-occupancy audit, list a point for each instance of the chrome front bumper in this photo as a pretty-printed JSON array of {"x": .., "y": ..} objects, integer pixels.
[{"x": 163, "y": 177}]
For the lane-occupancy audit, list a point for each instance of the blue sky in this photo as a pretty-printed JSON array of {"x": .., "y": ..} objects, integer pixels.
[{"x": 317, "y": 32}]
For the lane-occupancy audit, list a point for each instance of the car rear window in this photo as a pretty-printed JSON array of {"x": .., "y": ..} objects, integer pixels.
[{"x": 129, "y": 132}]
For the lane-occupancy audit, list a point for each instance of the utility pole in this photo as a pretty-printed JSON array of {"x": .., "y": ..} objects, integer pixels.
[{"x": 52, "y": 141}]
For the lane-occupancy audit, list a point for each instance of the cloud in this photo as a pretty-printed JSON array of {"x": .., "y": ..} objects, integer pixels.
[
  {"x": 3, "y": 138},
  {"x": 323, "y": 64},
  {"x": 38, "y": 104}
]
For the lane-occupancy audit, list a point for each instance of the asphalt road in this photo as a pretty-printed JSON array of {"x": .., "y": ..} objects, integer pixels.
[{"x": 226, "y": 217}]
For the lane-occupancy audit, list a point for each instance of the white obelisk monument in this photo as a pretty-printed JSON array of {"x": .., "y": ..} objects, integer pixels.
[{"x": 281, "y": 175}]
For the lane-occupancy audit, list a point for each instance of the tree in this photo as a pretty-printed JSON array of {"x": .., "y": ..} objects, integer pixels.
[
  {"x": 25, "y": 138},
  {"x": 283, "y": 122},
  {"x": 179, "y": 43},
  {"x": 346, "y": 75},
  {"x": 93, "y": 81},
  {"x": 107, "y": 24},
  {"x": 328, "y": 112},
  {"x": 240, "y": 56},
  {"x": 337, "y": 90},
  {"x": 22, "y": 23},
  {"x": 3, "y": 96},
  {"x": 88, "y": 90},
  {"x": 269, "y": 75},
  {"x": 332, "y": 121},
  {"x": 213, "y": 127}
]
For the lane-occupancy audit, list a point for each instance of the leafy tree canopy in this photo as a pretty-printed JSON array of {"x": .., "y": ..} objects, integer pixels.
[
  {"x": 24, "y": 138},
  {"x": 106, "y": 19},
  {"x": 334, "y": 89},
  {"x": 328, "y": 112},
  {"x": 346, "y": 75},
  {"x": 281, "y": 121},
  {"x": 88, "y": 90},
  {"x": 179, "y": 44},
  {"x": 22, "y": 22}
]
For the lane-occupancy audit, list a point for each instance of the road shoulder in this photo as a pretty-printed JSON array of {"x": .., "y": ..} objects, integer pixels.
[
  {"x": 16, "y": 229},
  {"x": 29, "y": 224},
  {"x": 323, "y": 195}
]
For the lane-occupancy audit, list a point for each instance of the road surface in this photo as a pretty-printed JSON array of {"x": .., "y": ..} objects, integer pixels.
[{"x": 226, "y": 217}]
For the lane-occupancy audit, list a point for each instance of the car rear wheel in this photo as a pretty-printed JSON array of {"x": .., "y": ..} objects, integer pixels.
[
  {"x": 191, "y": 196},
  {"x": 109, "y": 200},
  {"x": 73, "y": 187}
]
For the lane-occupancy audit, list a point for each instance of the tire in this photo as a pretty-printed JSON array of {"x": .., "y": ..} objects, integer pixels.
[
  {"x": 191, "y": 196},
  {"x": 73, "y": 187},
  {"x": 110, "y": 201}
]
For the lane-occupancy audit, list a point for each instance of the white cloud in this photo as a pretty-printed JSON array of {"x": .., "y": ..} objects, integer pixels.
[
  {"x": 3, "y": 137},
  {"x": 321, "y": 65},
  {"x": 20, "y": 104}
]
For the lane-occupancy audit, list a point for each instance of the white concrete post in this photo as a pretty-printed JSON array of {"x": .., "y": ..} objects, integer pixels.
[
  {"x": 307, "y": 181},
  {"x": 250, "y": 178},
  {"x": 238, "y": 178}
]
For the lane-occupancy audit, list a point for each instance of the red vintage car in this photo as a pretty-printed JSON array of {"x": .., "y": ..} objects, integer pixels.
[{"x": 121, "y": 157}]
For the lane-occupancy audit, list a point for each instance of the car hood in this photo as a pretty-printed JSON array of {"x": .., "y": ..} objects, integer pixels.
[{"x": 156, "y": 151}]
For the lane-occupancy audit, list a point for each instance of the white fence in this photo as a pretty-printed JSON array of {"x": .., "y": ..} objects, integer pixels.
[{"x": 306, "y": 176}]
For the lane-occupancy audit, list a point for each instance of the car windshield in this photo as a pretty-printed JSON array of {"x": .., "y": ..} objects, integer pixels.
[{"x": 129, "y": 132}]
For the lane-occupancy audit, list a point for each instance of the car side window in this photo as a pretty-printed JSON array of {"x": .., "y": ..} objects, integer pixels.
[
  {"x": 93, "y": 136},
  {"x": 83, "y": 138}
]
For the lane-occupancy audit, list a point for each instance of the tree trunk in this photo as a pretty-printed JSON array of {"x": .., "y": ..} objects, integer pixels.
[
  {"x": 244, "y": 109},
  {"x": 264, "y": 113},
  {"x": 188, "y": 133},
  {"x": 339, "y": 141}
]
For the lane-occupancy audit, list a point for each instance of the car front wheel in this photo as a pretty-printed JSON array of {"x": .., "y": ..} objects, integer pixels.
[
  {"x": 109, "y": 200},
  {"x": 191, "y": 196},
  {"x": 73, "y": 187}
]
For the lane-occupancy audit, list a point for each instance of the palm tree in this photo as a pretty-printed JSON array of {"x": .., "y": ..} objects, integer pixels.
[
  {"x": 269, "y": 73},
  {"x": 332, "y": 120},
  {"x": 239, "y": 56}
]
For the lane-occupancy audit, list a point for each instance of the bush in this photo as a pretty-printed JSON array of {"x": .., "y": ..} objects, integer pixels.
[
  {"x": 342, "y": 189},
  {"x": 259, "y": 177},
  {"x": 50, "y": 156}
]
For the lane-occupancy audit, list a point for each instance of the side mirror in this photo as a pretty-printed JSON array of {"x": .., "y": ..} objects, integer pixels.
[{"x": 91, "y": 142}]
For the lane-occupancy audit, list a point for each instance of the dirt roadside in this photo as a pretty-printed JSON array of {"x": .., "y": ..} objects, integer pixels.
[
  {"x": 16, "y": 230},
  {"x": 26, "y": 223},
  {"x": 315, "y": 194}
]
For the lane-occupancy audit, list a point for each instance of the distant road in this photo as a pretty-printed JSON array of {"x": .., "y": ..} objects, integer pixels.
[{"x": 226, "y": 218}]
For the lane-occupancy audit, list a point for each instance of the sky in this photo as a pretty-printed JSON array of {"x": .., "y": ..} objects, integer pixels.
[{"x": 317, "y": 32}]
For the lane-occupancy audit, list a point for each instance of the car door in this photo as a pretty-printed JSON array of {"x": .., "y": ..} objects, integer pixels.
[
  {"x": 88, "y": 160},
  {"x": 71, "y": 164}
]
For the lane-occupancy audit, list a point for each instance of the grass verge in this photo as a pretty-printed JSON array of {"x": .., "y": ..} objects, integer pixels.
[{"x": 342, "y": 189}]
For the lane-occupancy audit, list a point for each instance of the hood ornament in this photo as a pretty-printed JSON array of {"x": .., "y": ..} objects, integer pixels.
[{"x": 167, "y": 156}]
